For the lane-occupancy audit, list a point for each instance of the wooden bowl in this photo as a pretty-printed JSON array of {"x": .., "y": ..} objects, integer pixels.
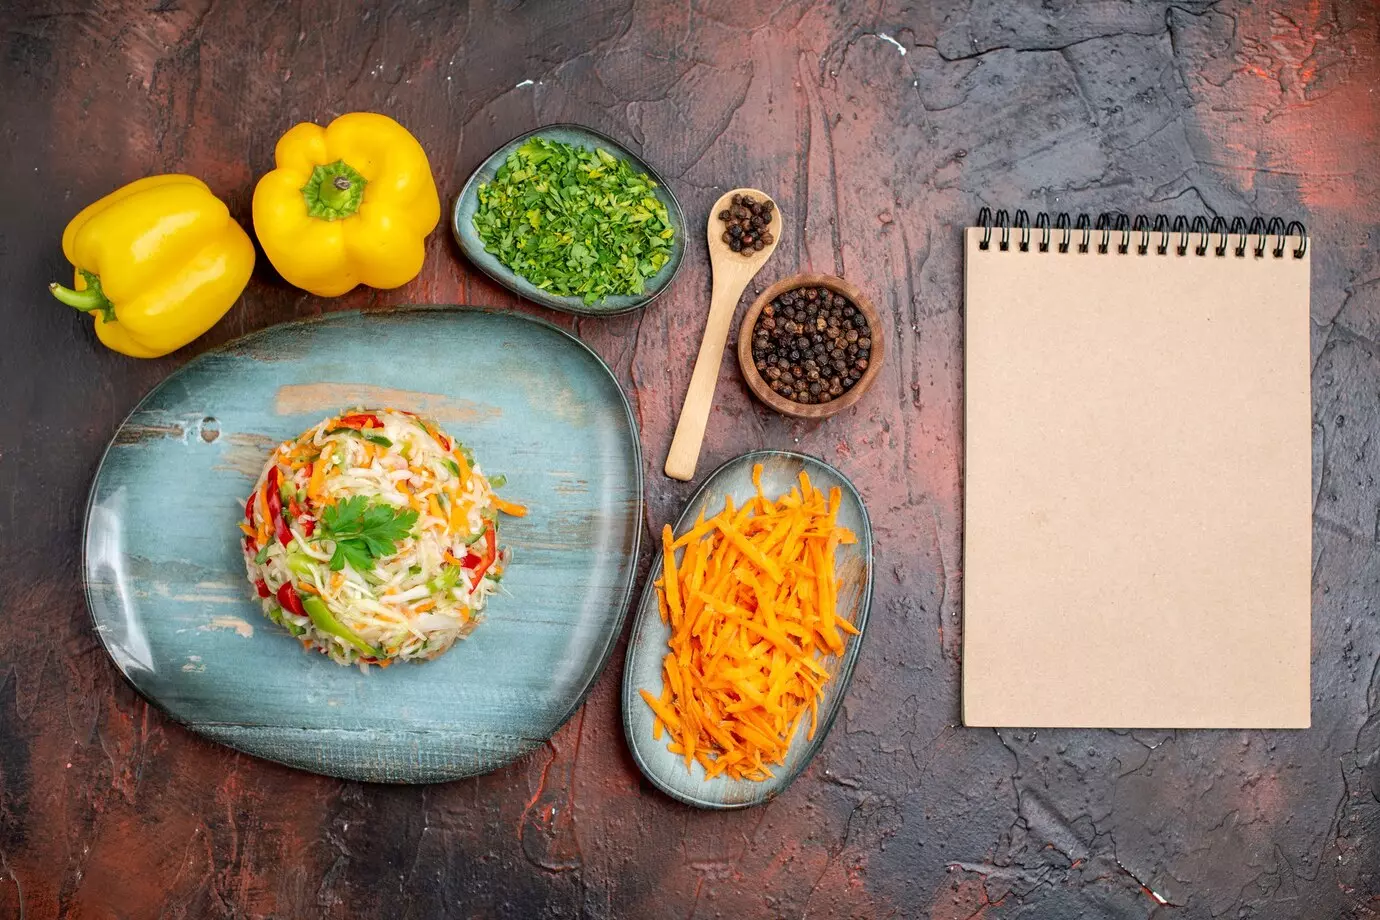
[{"x": 759, "y": 386}]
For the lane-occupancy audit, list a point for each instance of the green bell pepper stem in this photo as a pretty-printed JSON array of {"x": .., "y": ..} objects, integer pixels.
[
  {"x": 88, "y": 300},
  {"x": 324, "y": 620},
  {"x": 334, "y": 191}
]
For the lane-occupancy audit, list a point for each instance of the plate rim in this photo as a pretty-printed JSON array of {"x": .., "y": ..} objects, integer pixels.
[
  {"x": 574, "y": 305},
  {"x": 846, "y": 669},
  {"x": 615, "y": 631}
]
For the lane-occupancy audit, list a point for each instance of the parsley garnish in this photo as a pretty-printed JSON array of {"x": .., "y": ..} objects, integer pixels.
[
  {"x": 573, "y": 221},
  {"x": 364, "y": 531}
]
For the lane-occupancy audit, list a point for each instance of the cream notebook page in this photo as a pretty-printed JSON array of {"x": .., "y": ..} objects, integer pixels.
[{"x": 1137, "y": 488}]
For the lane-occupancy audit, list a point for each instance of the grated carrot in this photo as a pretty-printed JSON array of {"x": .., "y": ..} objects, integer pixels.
[
  {"x": 752, "y": 604},
  {"x": 464, "y": 466},
  {"x": 264, "y": 521},
  {"x": 316, "y": 481}
]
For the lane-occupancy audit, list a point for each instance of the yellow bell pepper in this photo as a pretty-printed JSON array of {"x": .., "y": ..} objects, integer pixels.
[
  {"x": 347, "y": 204},
  {"x": 157, "y": 262}
]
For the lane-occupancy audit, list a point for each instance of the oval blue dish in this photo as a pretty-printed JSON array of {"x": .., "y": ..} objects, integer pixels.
[
  {"x": 648, "y": 645},
  {"x": 165, "y": 578},
  {"x": 467, "y": 202}
]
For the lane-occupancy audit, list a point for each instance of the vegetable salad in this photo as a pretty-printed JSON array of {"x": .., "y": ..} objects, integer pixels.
[{"x": 373, "y": 538}]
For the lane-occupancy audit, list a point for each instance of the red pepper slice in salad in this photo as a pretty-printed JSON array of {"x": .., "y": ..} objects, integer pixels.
[
  {"x": 299, "y": 512},
  {"x": 262, "y": 587},
  {"x": 287, "y": 596},
  {"x": 275, "y": 507},
  {"x": 490, "y": 553},
  {"x": 359, "y": 421},
  {"x": 249, "y": 508}
]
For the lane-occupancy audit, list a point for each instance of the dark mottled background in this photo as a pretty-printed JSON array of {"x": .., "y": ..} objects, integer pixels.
[{"x": 880, "y": 128}]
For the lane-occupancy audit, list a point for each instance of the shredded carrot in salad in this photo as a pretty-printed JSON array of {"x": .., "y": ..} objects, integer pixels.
[{"x": 753, "y": 610}]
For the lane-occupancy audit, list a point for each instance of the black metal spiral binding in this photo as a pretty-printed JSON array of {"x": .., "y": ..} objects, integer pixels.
[
  {"x": 1104, "y": 224},
  {"x": 1181, "y": 227},
  {"x": 1199, "y": 232},
  {"x": 1142, "y": 226},
  {"x": 1084, "y": 224}
]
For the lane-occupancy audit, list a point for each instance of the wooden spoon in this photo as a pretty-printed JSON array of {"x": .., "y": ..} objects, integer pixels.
[{"x": 732, "y": 272}]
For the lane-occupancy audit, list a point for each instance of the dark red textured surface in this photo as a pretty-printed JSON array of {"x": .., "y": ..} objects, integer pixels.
[{"x": 876, "y": 157}]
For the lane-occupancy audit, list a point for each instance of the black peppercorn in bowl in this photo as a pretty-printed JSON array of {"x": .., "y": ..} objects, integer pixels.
[{"x": 810, "y": 345}]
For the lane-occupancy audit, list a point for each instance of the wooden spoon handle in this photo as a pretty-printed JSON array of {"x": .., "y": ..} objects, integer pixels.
[{"x": 694, "y": 414}]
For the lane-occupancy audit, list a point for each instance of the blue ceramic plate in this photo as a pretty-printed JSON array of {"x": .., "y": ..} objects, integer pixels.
[
  {"x": 462, "y": 224},
  {"x": 646, "y": 649},
  {"x": 165, "y": 579}
]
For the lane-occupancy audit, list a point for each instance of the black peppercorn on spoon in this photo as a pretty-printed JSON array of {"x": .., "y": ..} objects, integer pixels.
[{"x": 732, "y": 272}]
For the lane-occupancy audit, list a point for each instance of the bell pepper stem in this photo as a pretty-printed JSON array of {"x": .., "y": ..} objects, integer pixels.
[
  {"x": 334, "y": 191},
  {"x": 88, "y": 300}
]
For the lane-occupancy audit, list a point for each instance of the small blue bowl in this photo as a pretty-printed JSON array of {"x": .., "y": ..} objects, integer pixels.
[{"x": 467, "y": 202}]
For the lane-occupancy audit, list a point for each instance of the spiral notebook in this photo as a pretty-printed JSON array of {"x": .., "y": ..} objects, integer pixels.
[{"x": 1137, "y": 480}]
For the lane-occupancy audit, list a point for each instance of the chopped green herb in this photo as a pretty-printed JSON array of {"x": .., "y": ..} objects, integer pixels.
[
  {"x": 453, "y": 466},
  {"x": 261, "y": 557},
  {"x": 498, "y": 481},
  {"x": 364, "y": 531},
  {"x": 377, "y": 439},
  {"x": 573, "y": 221}
]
